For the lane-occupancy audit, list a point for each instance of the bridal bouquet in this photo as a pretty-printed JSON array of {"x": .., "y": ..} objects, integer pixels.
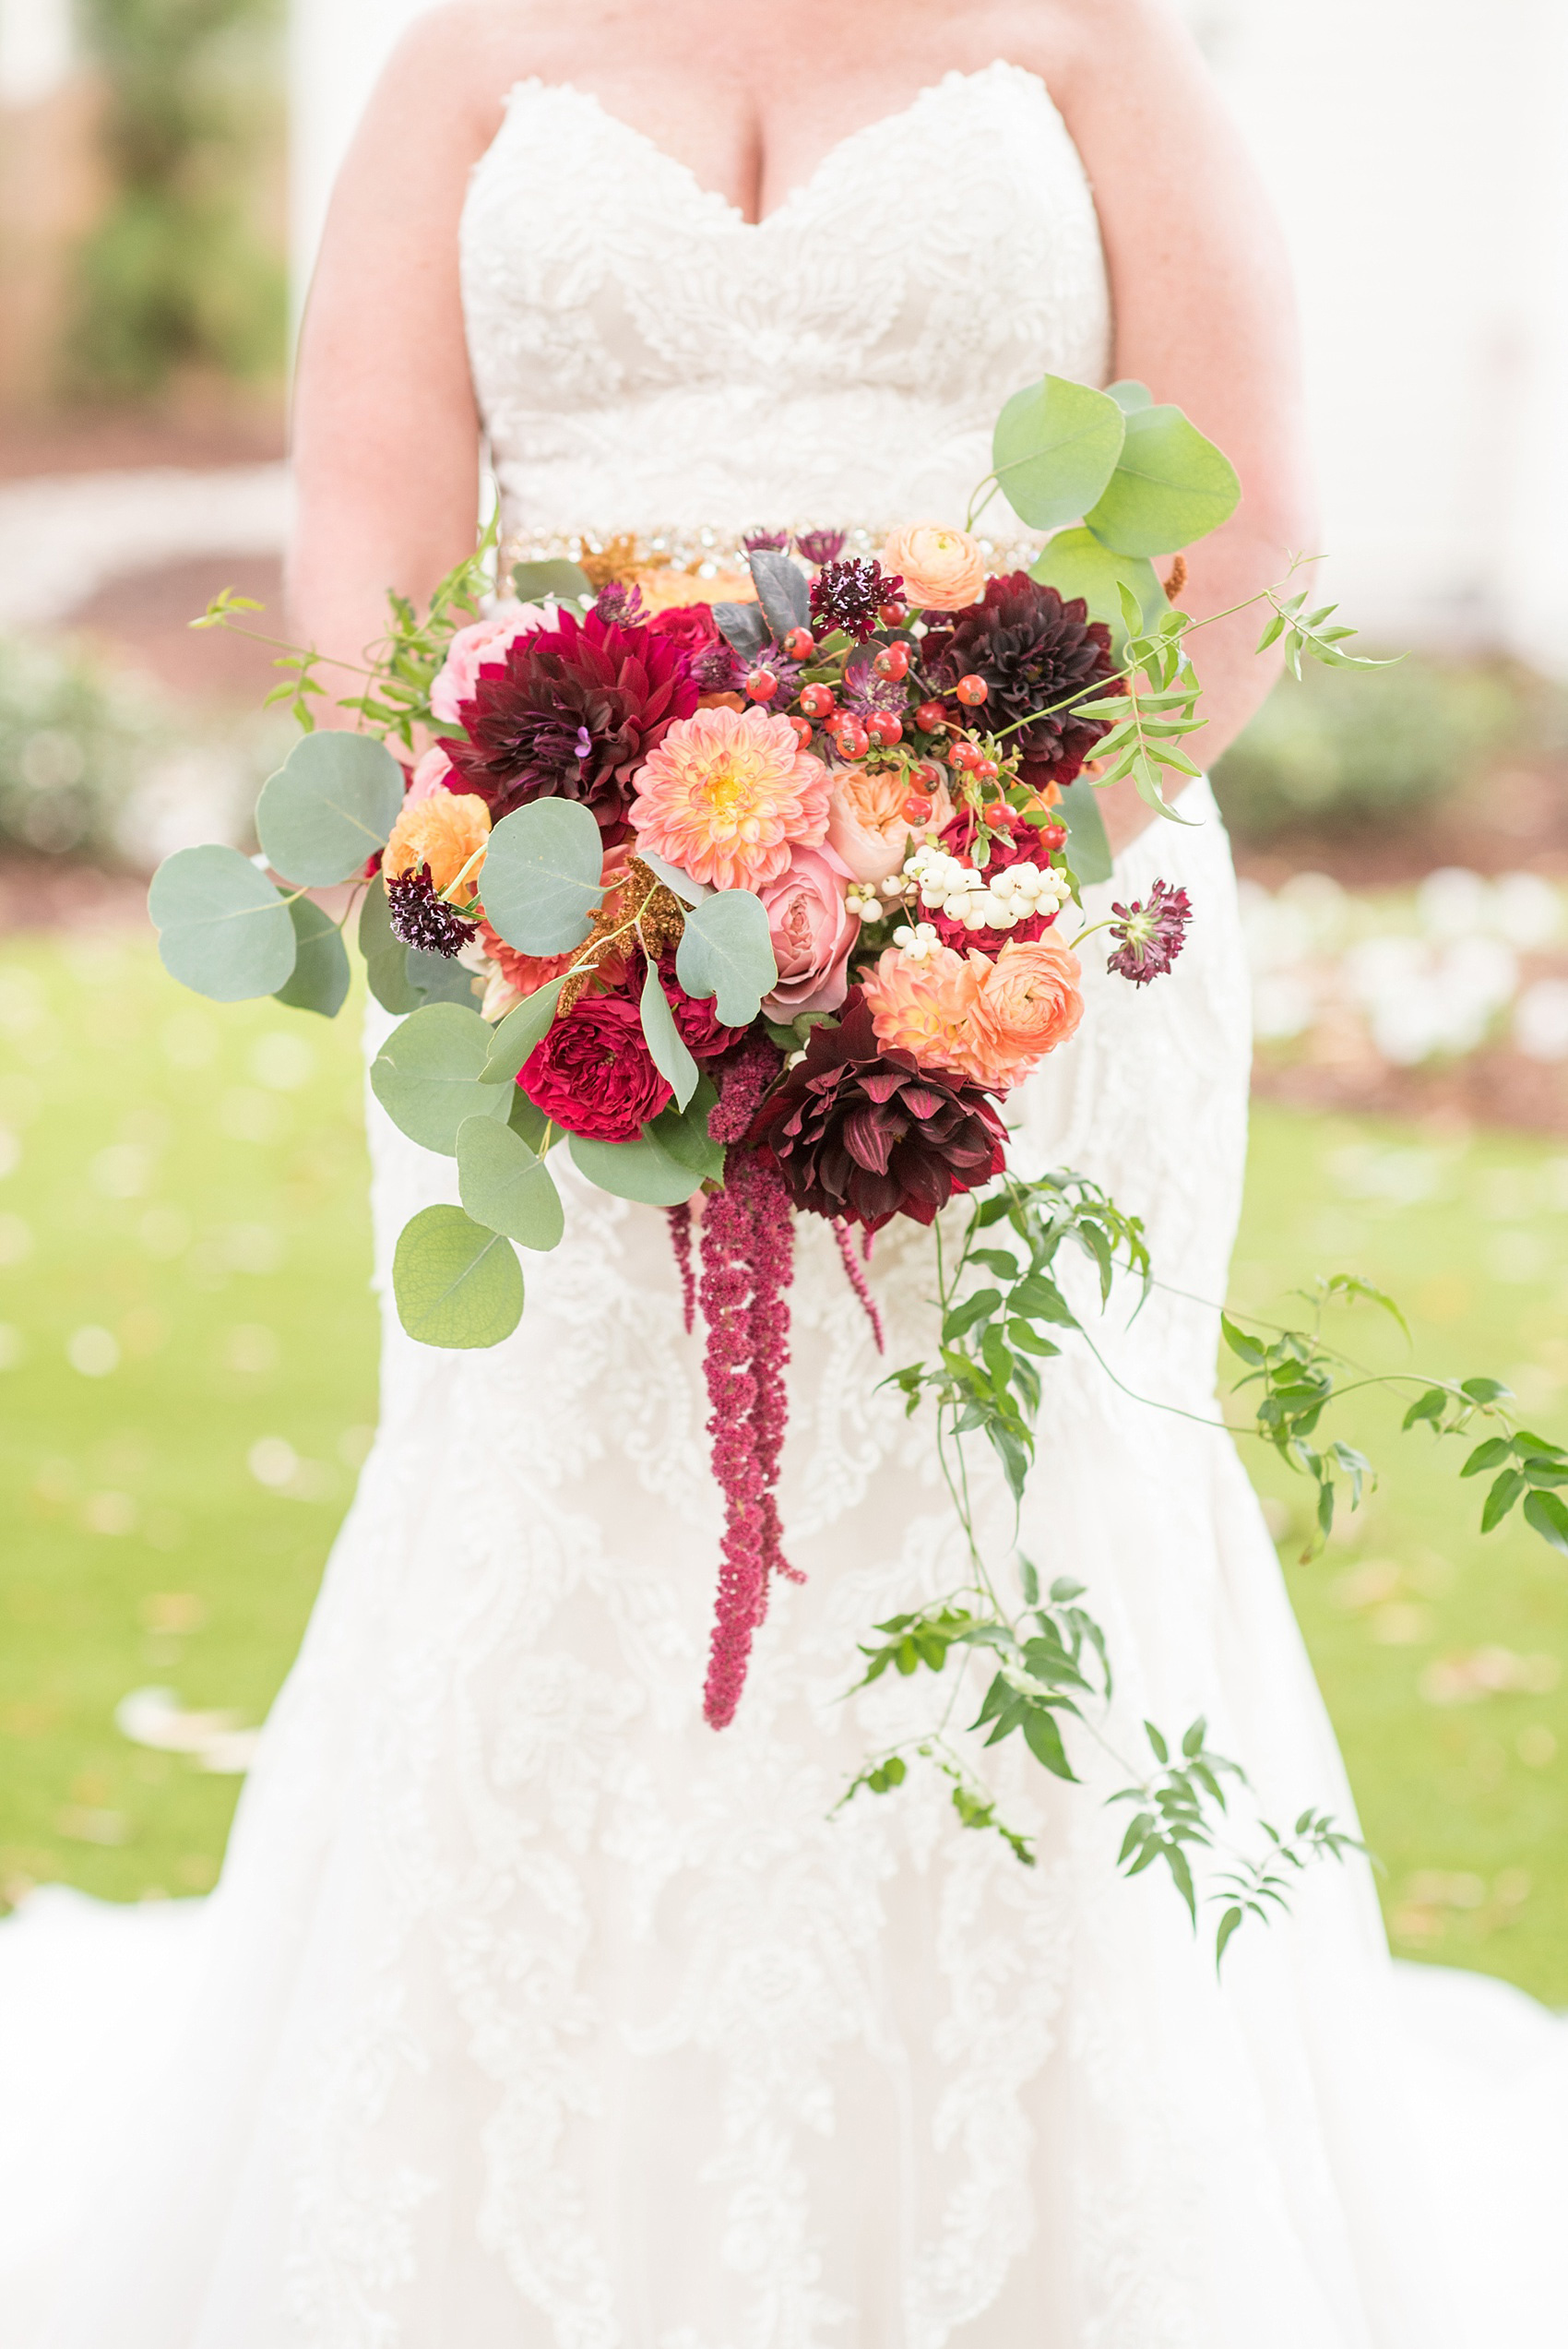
[{"x": 767, "y": 888}]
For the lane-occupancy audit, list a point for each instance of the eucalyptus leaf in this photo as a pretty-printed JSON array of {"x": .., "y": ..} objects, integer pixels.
[
  {"x": 679, "y": 884},
  {"x": 319, "y": 981},
  {"x": 1169, "y": 487},
  {"x": 504, "y": 1185},
  {"x": 532, "y": 582},
  {"x": 743, "y": 627},
  {"x": 541, "y": 878},
  {"x": 782, "y": 591},
  {"x": 223, "y": 929},
  {"x": 526, "y": 1025},
  {"x": 642, "y": 1170},
  {"x": 456, "y": 1284},
  {"x": 427, "y": 1075},
  {"x": 527, "y": 1121},
  {"x": 439, "y": 978},
  {"x": 1130, "y": 395},
  {"x": 726, "y": 950},
  {"x": 667, "y": 1046},
  {"x": 683, "y": 1134},
  {"x": 386, "y": 956},
  {"x": 1054, "y": 450},
  {"x": 1088, "y": 849},
  {"x": 330, "y": 805},
  {"x": 1076, "y": 563}
]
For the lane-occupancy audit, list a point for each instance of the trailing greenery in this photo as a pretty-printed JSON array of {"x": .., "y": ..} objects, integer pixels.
[{"x": 179, "y": 274}]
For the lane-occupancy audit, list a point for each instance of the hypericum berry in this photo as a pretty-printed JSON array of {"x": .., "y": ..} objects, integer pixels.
[
  {"x": 887, "y": 727},
  {"x": 971, "y": 690},
  {"x": 925, "y": 775},
  {"x": 965, "y": 753},
  {"x": 817, "y": 701},
  {"x": 800, "y": 644},
  {"x": 918, "y": 808},
  {"x": 985, "y": 770},
  {"x": 929, "y": 716},
  {"x": 850, "y": 738},
  {"x": 893, "y": 662},
  {"x": 1053, "y": 836},
  {"x": 802, "y": 731},
  {"x": 892, "y": 615},
  {"x": 762, "y": 684}
]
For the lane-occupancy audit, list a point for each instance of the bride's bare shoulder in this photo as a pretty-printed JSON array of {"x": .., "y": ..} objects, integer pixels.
[
  {"x": 455, "y": 63},
  {"x": 1086, "y": 41}
]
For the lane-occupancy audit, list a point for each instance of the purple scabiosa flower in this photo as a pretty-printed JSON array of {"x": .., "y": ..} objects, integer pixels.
[
  {"x": 820, "y": 546},
  {"x": 864, "y": 690},
  {"x": 719, "y": 670},
  {"x": 849, "y": 595},
  {"x": 620, "y": 601},
  {"x": 766, "y": 542},
  {"x": 422, "y": 919},
  {"x": 1150, "y": 937}
]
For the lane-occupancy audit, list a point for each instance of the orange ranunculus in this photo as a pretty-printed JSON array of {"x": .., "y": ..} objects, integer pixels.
[
  {"x": 442, "y": 831},
  {"x": 1028, "y": 1005},
  {"x": 941, "y": 569},
  {"x": 925, "y": 1007},
  {"x": 866, "y": 823}
]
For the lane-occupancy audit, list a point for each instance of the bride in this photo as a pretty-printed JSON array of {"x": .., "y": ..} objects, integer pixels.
[{"x": 529, "y": 2011}]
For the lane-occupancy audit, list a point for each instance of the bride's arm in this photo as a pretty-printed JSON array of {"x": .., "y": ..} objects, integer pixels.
[
  {"x": 386, "y": 435},
  {"x": 1204, "y": 316}
]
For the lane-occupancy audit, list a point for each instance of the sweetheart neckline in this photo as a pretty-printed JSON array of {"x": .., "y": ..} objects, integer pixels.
[{"x": 956, "y": 77}]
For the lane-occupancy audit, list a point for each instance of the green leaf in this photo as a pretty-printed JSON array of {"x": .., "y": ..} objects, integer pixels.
[
  {"x": 1491, "y": 1454},
  {"x": 1076, "y": 563},
  {"x": 223, "y": 929},
  {"x": 1054, "y": 450},
  {"x": 1044, "y": 1741},
  {"x": 427, "y": 1075},
  {"x": 1171, "y": 486},
  {"x": 528, "y": 1123},
  {"x": 532, "y": 582},
  {"x": 1160, "y": 1749},
  {"x": 1028, "y": 1580},
  {"x": 526, "y": 1025},
  {"x": 667, "y": 1046},
  {"x": 329, "y": 807},
  {"x": 1041, "y": 1300},
  {"x": 1501, "y": 1497},
  {"x": 979, "y": 1308},
  {"x": 541, "y": 878},
  {"x": 642, "y": 1170},
  {"x": 440, "y": 978},
  {"x": 1088, "y": 849},
  {"x": 1130, "y": 396},
  {"x": 726, "y": 950},
  {"x": 386, "y": 956},
  {"x": 683, "y": 1134},
  {"x": 782, "y": 590},
  {"x": 1485, "y": 1390},
  {"x": 1432, "y": 1405},
  {"x": 456, "y": 1284},
  {"x": 1227, "y": 1926},
  {"x": 505, "y": 1187},
  {"x": 1248, "y": 1349},
  {"x": 320, "y": 980},
  {"x": 1550, "y": 1518}
]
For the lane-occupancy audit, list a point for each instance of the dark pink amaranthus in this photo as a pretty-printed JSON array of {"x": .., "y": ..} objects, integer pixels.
[{"x": 747, "y": 1261}]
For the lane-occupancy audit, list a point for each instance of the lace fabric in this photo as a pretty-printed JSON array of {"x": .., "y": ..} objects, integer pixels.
[{"x": 531, "y": 2012}]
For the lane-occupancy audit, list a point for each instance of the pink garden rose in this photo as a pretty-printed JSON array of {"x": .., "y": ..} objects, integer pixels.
[
  {"x": 812, "y": 931},
  {"x": 433, "y": 772},
  {"x": 473, "y": 649},
  {"x": 866, "y": 823}
]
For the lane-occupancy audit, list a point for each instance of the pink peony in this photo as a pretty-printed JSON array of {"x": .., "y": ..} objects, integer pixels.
[
  {"x": 813, "y": 932},
  {"x": 470, "y": 649},
  {"x": 866, "y": 823},
  {"x": 726, "y": 793},
  {"x": 435, "y": 772}
]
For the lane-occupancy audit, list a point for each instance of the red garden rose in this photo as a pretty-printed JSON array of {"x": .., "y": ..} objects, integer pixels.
[
  {"x": 593, "y": 1075},
  {"x": 691, "y": 626}
]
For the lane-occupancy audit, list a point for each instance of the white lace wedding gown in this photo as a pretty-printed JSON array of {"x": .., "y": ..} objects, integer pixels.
[{"x": 530, "y": 2011}]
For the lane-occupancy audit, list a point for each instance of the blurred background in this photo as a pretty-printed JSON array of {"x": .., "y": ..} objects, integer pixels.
[{"x": 187, "y": 1373}]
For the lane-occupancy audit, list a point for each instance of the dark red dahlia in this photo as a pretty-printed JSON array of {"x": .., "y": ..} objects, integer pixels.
[
  {"x": 1013, "y": 841},
  {"x": 864, "y": 1134},
  {"x": 571, "y": 712},
  {"x": 1150, "y": 937},
  {"x": 593, "y": 1074},
  {"x": 849, "y": 595},
  {"x": 1033, "y": 650},
  {"x": 422, "y": 919}
]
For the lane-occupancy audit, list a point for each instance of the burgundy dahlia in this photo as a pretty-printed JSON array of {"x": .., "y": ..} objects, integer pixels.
[
  {"x": 422, "y": 919},
  {"x": 571, "y": 712},
  {"x": 820, "y": 546},
  {"x": 848, "y": 596},
  {"x": 1150, "y": 937},
  {"x": 1013, "y": 841},
  {"x": 593, "y": 1074},
  {"x": 864, "y": 1134},
  {"x": 1033, "y": 650}
]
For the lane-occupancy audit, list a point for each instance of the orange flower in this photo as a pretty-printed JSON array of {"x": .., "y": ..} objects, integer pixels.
[
  {"x": 665, "y": 588},
  {"x": 925, "y": 1007},
  {"x": 1028, "y": 1005},
  {"x": 442, "y": 831},
  {"x": 866, "y": 823},
  {"x": 726, "y": 795},
  {"x": 941, "y": 569}
]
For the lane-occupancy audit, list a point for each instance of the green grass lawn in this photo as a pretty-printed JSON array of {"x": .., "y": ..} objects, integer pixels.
[{"x": 187, "y": 1380}]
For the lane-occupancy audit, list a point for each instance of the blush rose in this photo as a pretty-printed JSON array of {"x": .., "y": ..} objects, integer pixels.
[{"x": 812, "y": 931}]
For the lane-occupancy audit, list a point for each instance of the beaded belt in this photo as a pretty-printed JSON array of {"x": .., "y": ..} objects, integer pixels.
[{"x": 715, "y": 558}]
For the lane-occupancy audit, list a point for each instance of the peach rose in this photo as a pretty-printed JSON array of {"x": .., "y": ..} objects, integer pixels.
[
  {"x": 941, "y": 569},
  {"x": 812, "y": 931},
  {"x": 866, "y": 823},
  {"x": 925, "y": 1007},
  {"x": 442, "y": 831},
  {"x": 471, "y": 649},
  {"x": 1028, "y": 1005}
]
